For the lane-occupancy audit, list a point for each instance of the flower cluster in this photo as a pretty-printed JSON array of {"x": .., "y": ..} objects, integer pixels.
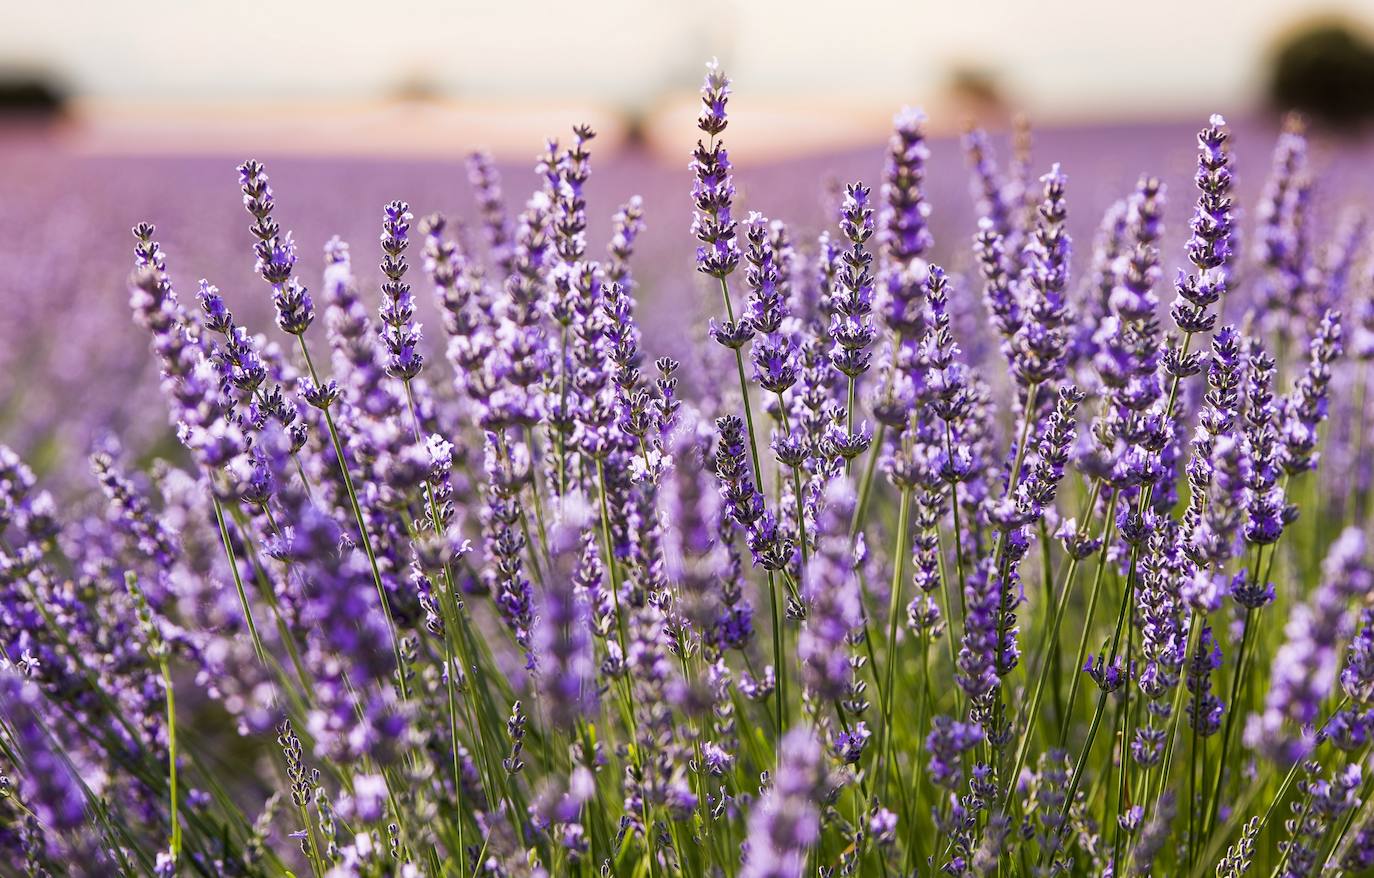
[{"x": 520, "y": 597}]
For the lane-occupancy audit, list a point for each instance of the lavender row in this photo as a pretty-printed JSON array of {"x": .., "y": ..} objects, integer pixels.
[{"x": 1024, "y": 564}]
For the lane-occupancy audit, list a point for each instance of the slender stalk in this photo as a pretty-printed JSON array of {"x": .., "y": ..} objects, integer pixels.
[
  {"x": 238, "y": 582},
  {"x": 1082, "y": 654},
  {"x": 866, "y": 486},
  {"x": 796, "y": 490},
  {"x": 958, "y": 535},
  {"x": 1051, "y": 639},
  {"x": 1101, "y": 706},
  {"x": 778, "y": 634},
  {"x": 1228, "y": 730},
  {"x": 893, "y": 611},
  {"x": 174, "y": 814},
  {"x": 362, "y": 530}
]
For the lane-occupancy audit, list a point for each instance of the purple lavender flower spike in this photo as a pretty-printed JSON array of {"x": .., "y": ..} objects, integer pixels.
[
  {"x": 1264, "y": 497},
  {"x": 1281, "y": 240},
  {"x": 276, "y": 253},
  {"x": 851, "y": 326},
  {"x": 567, "y": 666},
  {"x": 905, "y": 216},
  {"x": 1040, "y": 345},
  {"x": 1357, "y": 677},
  {"x": 948, "y": 740},
  {"x": 904, "y": 231},
  {"x": 399, "y": 332},
  {"x": 830, "y": 588},
  {"x": 977, "y": 655},
  {"x": 713, "y": 191},
  {"x": 1204, "y": 708},
  {"x": 786, "y": 824},
  {"x": 628, "y": 226},
  {"x": 486, "y": 186},
  {"x": 1306, "y": 666},
  {"x": 774, "y": 352},
  {"x": 987, "y": 185},
  {"x": 48, "y": 785},
  {"x": 1209, "y": 247},
  {"x": 1304, "y": 411}
]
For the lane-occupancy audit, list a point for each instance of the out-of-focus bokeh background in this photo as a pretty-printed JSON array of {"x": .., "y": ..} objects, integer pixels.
[{"x": 112, "y": 113}]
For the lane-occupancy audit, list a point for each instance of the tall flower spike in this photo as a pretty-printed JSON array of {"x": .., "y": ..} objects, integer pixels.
[
  {"x": 48, "y": 786},
  {"x": 786, "y": 821},
  {"x": 1305, "y": 666},
  {"x": 831, "y": 590},
  {"x": 977, "y": 662},
  {"x": 567, "y": 667},
  {"x": 570, "y": 223},
  {"x": 1264, "y": 497},
  {"x": 905, "y": 218},
  {"x": 399, "y": 333},
  {"x": 276, "y": 254},
  {"x": 1040, "y": 345},
  {"x": 1209, "y": 247},
  {"x": 774, "y": 351},
  {"x": 1133, "y": 295},
  {"x": 486, "y": 187},
  {"x": 713, "y": 192},
  {"x": 1036, "y": 494},
  {"x": 628, "y": 225},
  {"x": 987, "y": 183},
  {"x": 1281, "y": 216},
  {"x": 851, "y": 324},
  {"x": 904, "y": 233},
  {"x": 1306, "y": 408}
]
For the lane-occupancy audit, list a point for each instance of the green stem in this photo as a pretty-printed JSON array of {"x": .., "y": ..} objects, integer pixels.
[
  {"x": 778, "y": 633},
  {"x": 172, "y": 759},
  {"x": 238, "y": 581},
  {"x": 893, "y": 612},
  {"x": 1101, "y": 703},
  {"x": 362, "y": 530},
  {"x": 866, "y": 487},
  {"x": 958, "y": 535},
  {"x": 1082, "y": 654},
  {"x": 1228, "y": 732},
  {"x": 796, "y": 490}
]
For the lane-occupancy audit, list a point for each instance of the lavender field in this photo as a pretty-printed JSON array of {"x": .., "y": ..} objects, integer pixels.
[{"x": 993, "y": 505}]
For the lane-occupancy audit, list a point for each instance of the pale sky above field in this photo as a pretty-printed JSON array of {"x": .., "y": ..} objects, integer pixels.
[
  {"x": 319, "y": 76},
  {"x": 1072, "y": 55}
]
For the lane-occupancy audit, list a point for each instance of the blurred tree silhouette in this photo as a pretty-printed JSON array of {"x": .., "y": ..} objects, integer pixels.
[
  {"x": 1325, "y": 70},
  {"x": 29, "y": 94}
]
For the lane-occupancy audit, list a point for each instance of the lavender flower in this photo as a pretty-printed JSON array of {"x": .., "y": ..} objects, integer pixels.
[
  {"x": 1306, "y": 666},
  {"x": 713, "y": 192},
  {"x": 276, "y": 253},
  {"x": 320, "y": 556},
  {"x": 561, "y": 638},
  {"x": 400, "y": 335},
  {"x": 786, "y": 823},
  {"x": 1209, "y": 247},
  {"x": 1040, "y": 344},
  {"x": 851, "y": 327},
  {"x": 49, "y": 786},
  {"x": 831, "y": 591}
]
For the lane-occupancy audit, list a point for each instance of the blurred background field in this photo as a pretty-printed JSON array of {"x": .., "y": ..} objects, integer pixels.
[{"x": 114, "y": 117}]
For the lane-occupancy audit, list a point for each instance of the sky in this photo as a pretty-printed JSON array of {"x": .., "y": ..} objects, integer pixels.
[
  {"x": 322, "y": 76},
  {"x": 1060, "y": 56}
]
